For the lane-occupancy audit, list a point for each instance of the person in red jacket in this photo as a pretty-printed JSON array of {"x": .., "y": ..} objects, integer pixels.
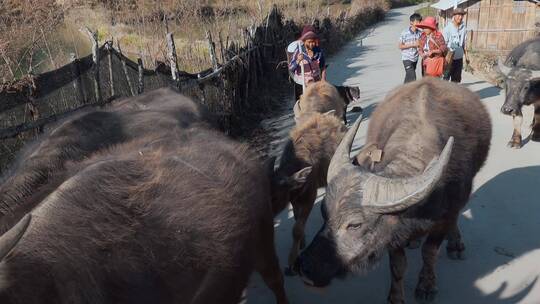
[{"x": 431, "y": 43}]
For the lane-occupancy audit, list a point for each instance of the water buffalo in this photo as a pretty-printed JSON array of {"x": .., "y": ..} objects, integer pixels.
[
  {"x": 320, "y": 97},
  {"x": 172, "y": 216},
  {"x": 522, "y": 83},
  {"x": 40, "y": 166},
  {"x": 307, "y": 153},
  {"x": 434, "y": 138}
]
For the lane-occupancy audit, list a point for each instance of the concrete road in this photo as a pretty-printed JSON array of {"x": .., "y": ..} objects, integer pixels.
[{"x": 500, "y": 225}]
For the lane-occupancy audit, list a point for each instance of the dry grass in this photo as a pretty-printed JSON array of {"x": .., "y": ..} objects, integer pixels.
[{"x": 140, "y": 27}]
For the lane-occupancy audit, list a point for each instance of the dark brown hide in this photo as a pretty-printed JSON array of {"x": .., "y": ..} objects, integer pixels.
[
  {"x": 170, "y": 217},
  {"x": 40, "y": 167}
]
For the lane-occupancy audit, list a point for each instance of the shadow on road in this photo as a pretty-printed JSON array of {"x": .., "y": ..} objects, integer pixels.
[
  {"x": 507, "y": 207},
  {"x": 489, "y": 92},
  {"x": 504, "y": 206}
]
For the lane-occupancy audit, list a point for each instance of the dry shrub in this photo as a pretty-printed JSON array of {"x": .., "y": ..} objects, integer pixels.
[
  {"x": 140, "y": 27},
  {"x": 359, "y": 6},
  {"x": 26, "y": 29}
]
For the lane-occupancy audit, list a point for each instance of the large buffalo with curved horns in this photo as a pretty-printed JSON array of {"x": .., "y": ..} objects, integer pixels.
[
  {"x": 522, "y": 83},
  {"x": 434, "y": 138}
]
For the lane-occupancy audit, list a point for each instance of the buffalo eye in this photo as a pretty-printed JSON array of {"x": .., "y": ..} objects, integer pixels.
[{"x": 354, "y": 226}]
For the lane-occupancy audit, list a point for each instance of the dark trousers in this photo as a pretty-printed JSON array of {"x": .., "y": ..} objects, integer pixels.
[
  {"x": 410, "y": 70},
  {"x": 454, "y": 73}
]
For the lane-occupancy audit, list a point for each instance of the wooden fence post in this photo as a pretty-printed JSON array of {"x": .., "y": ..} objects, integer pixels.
[
  {"x": 140, "y": 87},
  {"x": 212, "y": 50},
  {"x": 109, "y": 46},
  {"x": 77, "y": 83},
  {"x": 173, "y": 61},
  {"x": 95, "y": 57},
  {"x": 248, "y": 60},
  {"x": 32, "y": 106},
  {"x": 124, "y": 68}
]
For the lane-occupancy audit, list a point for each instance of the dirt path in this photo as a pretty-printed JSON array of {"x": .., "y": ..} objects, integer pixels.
[{"x": 501, "y": 224}]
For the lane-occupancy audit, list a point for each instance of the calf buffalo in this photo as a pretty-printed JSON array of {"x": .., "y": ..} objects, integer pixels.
[
  {"x": 522, "y": 83},
  {"x": 320, "y": 97},
  {"x": 306, "y": 158},
  {"x": 171, "y": 216},
  {"x": 434, "y": 138}
]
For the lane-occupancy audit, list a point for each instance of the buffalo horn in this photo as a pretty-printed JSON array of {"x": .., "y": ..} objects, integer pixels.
[
  {"x": 341, "y": 159},
  {"x": 388, "y": 195},
  {"x": 505, "y": 70}
]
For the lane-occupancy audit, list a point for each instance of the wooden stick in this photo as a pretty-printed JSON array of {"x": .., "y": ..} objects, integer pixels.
[
  {"x": 221, "y": 47},
  {"x": 140, "y": 88},
  {"x": 124, "y": 67},
  {"x": 95, "y": 57},
  {"x": 77, "y": 82},
  {"x": 212, "y": 50},
  {"x": 108, "y": 46},
  {"x": 173, "y": 61}
]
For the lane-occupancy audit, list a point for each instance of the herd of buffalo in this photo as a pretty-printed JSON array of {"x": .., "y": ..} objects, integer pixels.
[{"x": 145, "y": 201}]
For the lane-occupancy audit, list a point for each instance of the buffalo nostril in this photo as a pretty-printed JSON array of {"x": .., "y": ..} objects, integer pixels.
[{"x": 506, "y": 110}]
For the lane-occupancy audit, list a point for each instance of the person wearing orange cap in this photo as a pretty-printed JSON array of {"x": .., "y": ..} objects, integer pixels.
[
  {"x": 307, "y": 53},
  {"x": 432, "y": 48}
]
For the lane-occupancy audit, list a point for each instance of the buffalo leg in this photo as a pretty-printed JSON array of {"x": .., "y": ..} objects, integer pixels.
[
  {"x": 515, "y": 141},
  {"x": 304, "y": 205},
  {"x": 535, "y": 136},
  {"x": 398, "y": 266},
  {"x": 455, "y": 249},
  {"x": 426, "y": 290},
  {"x": 219, "y": 287},
  {"x": 267, "y": 264}
]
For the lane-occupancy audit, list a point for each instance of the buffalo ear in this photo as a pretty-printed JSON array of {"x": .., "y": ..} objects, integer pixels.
[{"x": 299, "y": 178}]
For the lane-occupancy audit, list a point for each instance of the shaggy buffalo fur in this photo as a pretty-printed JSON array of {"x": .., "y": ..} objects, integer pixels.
[
  {"x": 411, "y": 126},
  {"x": 39, "y": 167},
  {"x": 178, "y": 216},
  {"x": 311, "y": 144},
  {"x": 321, "y": 97}
]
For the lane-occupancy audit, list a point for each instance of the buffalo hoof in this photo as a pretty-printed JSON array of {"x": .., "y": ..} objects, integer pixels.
[
  {"x": 456, "y": 255},
  {"x": 425, "y": 294},
  {"x": 456, "y": 251},
  {"x": 514, "y": 144},
  {"x": 414, "y": 244},
  {"x": 394, "y": 301},
  {"x": 290, "y": 272}
]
